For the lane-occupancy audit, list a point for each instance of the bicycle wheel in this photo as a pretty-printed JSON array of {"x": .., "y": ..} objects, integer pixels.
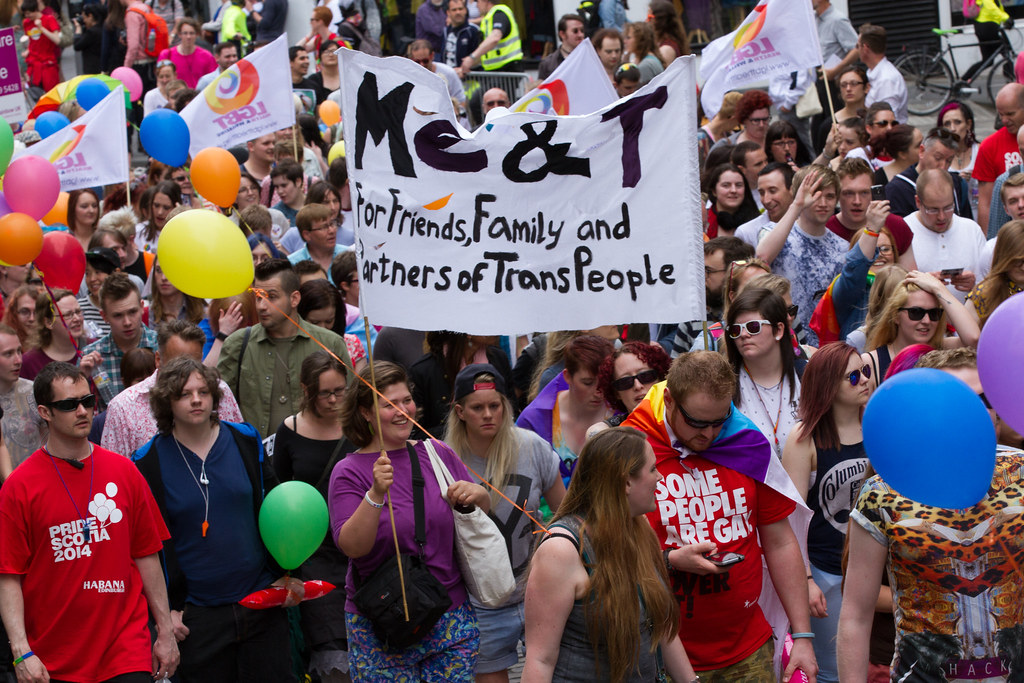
[
  {"x": 999, "y": 75},
  {"x": 929, "y": 80}
]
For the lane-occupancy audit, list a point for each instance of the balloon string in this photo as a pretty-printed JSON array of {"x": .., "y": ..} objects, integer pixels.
[
  {"x": 263, "y": 295},
  {"x": 53, "y": 305},
  {"x": 242, "y": 223}
]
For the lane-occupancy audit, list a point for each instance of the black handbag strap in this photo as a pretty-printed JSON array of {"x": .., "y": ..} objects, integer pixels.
[{"x": 417, "y": 497}]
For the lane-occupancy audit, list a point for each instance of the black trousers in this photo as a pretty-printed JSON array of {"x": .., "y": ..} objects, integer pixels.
[{"x": 235, "y": 644}]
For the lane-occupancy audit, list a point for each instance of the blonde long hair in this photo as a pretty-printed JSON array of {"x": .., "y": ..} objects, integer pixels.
[
  {"x": 554, "y": 352},
  {"x": 627, "y": 558},
  {"x": 885, "y": 330},
  {"x": 995, "y": 288},
  {"x": 502, "y": 455}
]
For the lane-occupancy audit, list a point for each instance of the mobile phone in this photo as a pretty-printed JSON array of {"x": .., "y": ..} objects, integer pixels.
[
  {"x": 724, "y": 559},
  {"x": 951, "y": 272},
  {"x": 878, "y": 193}
]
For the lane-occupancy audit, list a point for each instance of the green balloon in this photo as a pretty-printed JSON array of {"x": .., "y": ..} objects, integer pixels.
[
  {"x": 6, "y": 146},
  {"x": 293, "y": 521}
]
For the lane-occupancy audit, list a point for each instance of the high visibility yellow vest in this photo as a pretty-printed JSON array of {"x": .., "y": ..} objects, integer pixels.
[{"x": 509, "y": 49}]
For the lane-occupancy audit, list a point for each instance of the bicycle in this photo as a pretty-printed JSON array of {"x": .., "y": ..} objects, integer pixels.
[{"x": 931, "y": 82}]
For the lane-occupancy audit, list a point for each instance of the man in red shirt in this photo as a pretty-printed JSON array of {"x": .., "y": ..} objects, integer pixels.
[
  {"x": 79, "y": 537},
  {"x": 999, "y": 151},
  {"x": 720, "y": 493},
  {"x": 42, "y": 58}
]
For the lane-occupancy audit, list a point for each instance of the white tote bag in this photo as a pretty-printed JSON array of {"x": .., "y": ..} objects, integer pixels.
[{"x": 479, "y": 547}]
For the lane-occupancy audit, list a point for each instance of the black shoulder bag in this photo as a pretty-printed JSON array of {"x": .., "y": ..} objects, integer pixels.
[{"x": 379, "y": 597}]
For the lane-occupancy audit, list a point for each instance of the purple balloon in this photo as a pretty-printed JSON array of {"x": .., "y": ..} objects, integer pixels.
[
  {"x": 5, "y": 208},
  {"x": 1001, "y": 360}
]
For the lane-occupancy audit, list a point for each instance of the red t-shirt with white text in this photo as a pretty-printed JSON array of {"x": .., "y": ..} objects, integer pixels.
[
  {"x": 720, "y": 622},
  {"x": 997, "y": 154},
  {"x": 85, "y": 612}
]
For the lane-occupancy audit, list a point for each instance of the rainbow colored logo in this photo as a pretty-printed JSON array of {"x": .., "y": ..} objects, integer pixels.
[
  {"x": 550, "y": 98},
  {"x": 747, "y": 32},
  {"x": 69, "y": 146},
  {"x": 234, "y": 88}
]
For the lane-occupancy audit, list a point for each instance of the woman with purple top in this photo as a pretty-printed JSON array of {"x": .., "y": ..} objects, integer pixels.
[{"x": 361, "y": 486}]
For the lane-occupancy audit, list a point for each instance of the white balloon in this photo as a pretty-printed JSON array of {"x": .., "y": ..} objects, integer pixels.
[
  {"x": 102, "y": 513},
  {"x": 111, "y": 489},
  {"x": 115, "y": 516}
]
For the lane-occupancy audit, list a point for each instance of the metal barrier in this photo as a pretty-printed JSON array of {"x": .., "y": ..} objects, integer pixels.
[{"x": 512, "y": 83}]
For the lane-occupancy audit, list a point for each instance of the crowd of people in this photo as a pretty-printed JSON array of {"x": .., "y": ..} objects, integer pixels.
[{"x": 703, "y": 485}]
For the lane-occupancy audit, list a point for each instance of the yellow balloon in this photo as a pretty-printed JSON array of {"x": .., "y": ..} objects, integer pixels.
[
  {"x": 336, "y": 152},
  {"x": 204, "y": 254}
]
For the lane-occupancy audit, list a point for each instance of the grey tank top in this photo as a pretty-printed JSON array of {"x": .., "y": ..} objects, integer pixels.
[{"x": 576, "y": 658}]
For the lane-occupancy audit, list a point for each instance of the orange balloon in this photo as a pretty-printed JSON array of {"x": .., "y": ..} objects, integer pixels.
[
  {"x": 330, "y": 113},
  {"x": 21, "y": 239},
  {"x": 59, "y": 212},
  {"x": 216, "y": 176}
]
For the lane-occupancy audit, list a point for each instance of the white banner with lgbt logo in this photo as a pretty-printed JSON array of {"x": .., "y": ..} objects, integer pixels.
[
  {"x": 533, "y": 222},
  {"x": 92, "y": 150},
  {"x": 579, "y": 85},
  {"x": 250, "y": 99},
  {"x": 777, "y": 37}
]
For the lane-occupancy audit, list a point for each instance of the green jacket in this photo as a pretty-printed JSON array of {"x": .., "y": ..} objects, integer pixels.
[{"x": 251, "y": 378}]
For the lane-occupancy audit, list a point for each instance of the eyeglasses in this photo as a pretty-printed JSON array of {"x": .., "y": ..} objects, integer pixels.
[
  {"x": 77, "y": 313},
  {"x": 751, "y": 326},
  {"x": 708, "y": 270},
  {"x": 760, "y": 120},
  {"x": 703, "y": 424},
  {"x": 180, "y": 178},
  {"x": 70, "y": 405},
  {"x": 855, "y": 376},
  {"x": 984, "y": 399},
  {"x": 324, "y": 395},
  {"x": 916, "y": 313},
  {"x": 645, "y": 377},
  {"x": 791, "y": 311},
  {"x": 784, "y": 143},
  {"x": 333, "y": 225},
  {"x": 936, "y": 210},
  {"x": 883, "y": 249},
  {"x": 850, "y": 84},
  {"x": 248, "y": 188}
]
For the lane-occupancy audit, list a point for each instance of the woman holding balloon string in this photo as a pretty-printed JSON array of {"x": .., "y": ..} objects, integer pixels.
[
  {"x": 824, "y": 456},
  {"x": 378, "y": 476},
  {"x": 525, "y": 468},
  {"x": 916, "y": 313},
  {"x": 58, "y": 335},
  {"x": 306, "y": 448},
  {"x": 83, "y": 215},
  {"x": 209, "y": 479}
]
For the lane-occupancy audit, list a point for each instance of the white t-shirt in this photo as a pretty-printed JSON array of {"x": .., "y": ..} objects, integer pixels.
[
  {"x": 455, "y": 89},
  {"x": 887, "y": 85},
  {"x": 960, "y": 246},
  {"x": 752, "y": 231}
]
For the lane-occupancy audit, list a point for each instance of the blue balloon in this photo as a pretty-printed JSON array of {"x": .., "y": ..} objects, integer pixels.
[
  {"x": 91, "y": 92},
  {"x": 164, "y": 136},
  {"x": 931, "y": 439},
  {"x": 50, "y": 122}
]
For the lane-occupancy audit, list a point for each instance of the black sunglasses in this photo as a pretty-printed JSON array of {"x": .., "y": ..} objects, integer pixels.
[
  {"x": 854, "y": 376},
  {"x": 984, "y": 399},
  {"x": 703, "y": 424},
  {"x": 916, "y": 313},
  {"x": 644, "y": 377},
  {"x": 70, "y": 405},
  {"x": 793, "y": 310}
]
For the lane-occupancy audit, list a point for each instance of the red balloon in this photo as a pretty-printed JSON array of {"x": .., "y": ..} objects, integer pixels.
[{"x": 62, "y": 261}]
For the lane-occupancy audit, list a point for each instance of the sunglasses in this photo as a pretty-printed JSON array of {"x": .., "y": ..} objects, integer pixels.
[
  {"x": 793, "y": 310},
  {"x": 703, "y": 424},
  {"x": 855, "y": 376},
  {"x": 70, "y": 405},
  {"x": 916, "y": 313},
  {"x": 752, "y": 326},
  {"x": 984, "y": 399},
  {"x": 645, "y": 377}
]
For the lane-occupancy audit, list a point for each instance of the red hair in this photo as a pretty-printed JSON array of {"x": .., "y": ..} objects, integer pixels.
[
  {"x": 586, "y": 353},
  {"x": 818, "y": 389},
  {"x": 751, "y": 101},
  {"x": 653, "y": 356}
]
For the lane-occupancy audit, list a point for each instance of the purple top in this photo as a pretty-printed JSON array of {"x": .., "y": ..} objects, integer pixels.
[{"x": 353, "y": 477}]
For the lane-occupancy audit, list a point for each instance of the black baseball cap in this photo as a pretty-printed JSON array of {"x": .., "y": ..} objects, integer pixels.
[
  {"x": 466, "y": 381},
  {"x": 103, "y": 259}
]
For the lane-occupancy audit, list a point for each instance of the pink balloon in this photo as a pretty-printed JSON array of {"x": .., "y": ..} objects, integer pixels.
[
  {"x": 31, "y": 186},
  {"x": 132, "y": 81}
]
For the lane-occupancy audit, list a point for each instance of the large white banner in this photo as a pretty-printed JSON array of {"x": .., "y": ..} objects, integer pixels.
[
  {"x": 92, "y": 150},
  {"x": 534, "y": 222},
  {"x": 252, "y": 98},
  {"x": 579, "y": 85},
  {"x": 777, "y": 37}
]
